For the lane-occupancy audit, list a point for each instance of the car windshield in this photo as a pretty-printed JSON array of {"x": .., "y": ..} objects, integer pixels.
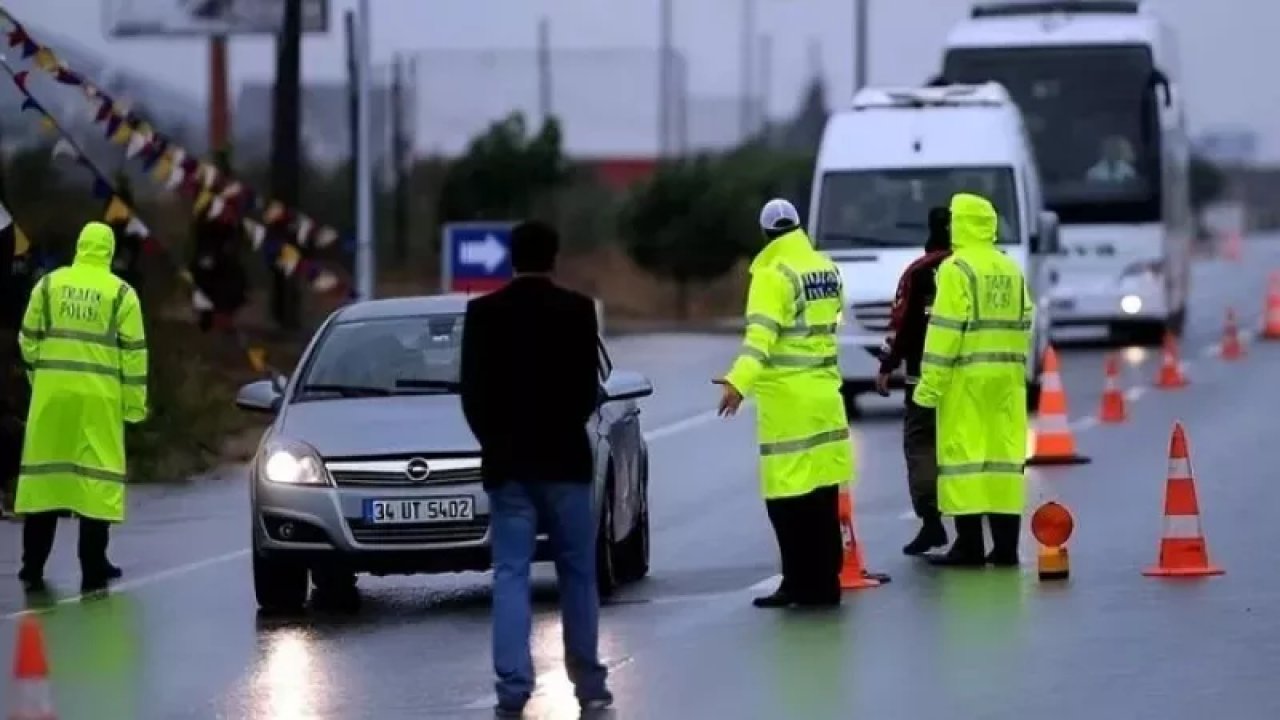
[
  {"x": 392, "y": 356},
  {"x": 890, "y": 208},
  {"x": 1087, "y": 109}
]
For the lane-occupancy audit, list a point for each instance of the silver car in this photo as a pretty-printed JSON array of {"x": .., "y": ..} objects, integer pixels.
[{"x": 369, "y": 466}]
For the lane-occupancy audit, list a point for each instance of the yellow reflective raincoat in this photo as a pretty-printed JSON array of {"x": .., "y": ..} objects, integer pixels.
[
  {"x": 974, "y": 368},
  {"x": 788, "y": 362},
  {"x": 82, "y": 339}
]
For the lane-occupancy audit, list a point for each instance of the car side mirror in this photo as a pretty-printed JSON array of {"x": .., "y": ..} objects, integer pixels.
[
  {"x": 260, "y": 396},
  {"x": 1046, "y": 241},
  {"x": 626, "y": 385}
]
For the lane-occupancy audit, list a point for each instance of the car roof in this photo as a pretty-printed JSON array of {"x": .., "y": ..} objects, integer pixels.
[{"x": 390, "y": 308}]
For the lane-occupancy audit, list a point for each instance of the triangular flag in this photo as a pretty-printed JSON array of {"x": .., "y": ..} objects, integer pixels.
[
  {"x": 324, "y": 282},
  {"x": 257, "y": 233},
  {"x": 185, "y": 276},
  {"x": 20, "y": 79},
  {"x": 163, "y": 168},
  {"x": 113, "y": 124},
  {"x": 257, "y": 359},
  {"x": 274, "y": 212},
  {"x": 232, "y": 190},
  {"x": 104, "y": 110},
  {"x": 5, "y": 217},
  {"x": 117, "y": 211},
  {"x": 67, "y": 77},
  {"x": 288, "y": 260},
  {"x": 122, "y": 134},
  {"x": 64, "y": 148},
  {"x": 199, "y": 301},
  {"x": 48, "y": 125},
  {"x": 176, "y": 176},
  {"x": 216, "y": 206},
  {"x": 29, "y": 48},
  {"x": 21, "y": 245},
  {"x": 326, "y": 237},
  {"x": 46, "y": 60},
  {"x": 305, "y": 224},
  {"x": 137, "y": 228},
  {"x": 209, "y": 174},
  {"x": 136, "y": 144},
  {"x": 202, "y": 201},
  {"x": 178, "y": 157}
]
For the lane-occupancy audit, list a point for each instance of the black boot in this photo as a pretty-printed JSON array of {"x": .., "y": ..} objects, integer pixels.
[
  {"x": 779, "y": 599},
  {"x": 933, "y": 534},
  {"x": 1006, "y": 530},
  {"x": 969, "y": 548}
]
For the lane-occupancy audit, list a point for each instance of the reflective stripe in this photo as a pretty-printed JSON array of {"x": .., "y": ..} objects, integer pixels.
[
  {"x": 60, "y": 468},
  {"x": 948, "y": 323},
  {"x": 973, "y": 285},
  {"x": 1179, "y": 469},
  {"x": 102, "y": 339},
  {"x": 977, "y": 325},
  {"x": 765, "y": 322},
  {"x": 810, "y": 330},
  {"x": 782, "y": 447},
  {"x": 91, "y": 368},
  {"x": 1052, "y": 424},
  {"x": 46, "y": 303},
  {"x": 975, "y": 358},
  {"x": 748, "y": 351},
  {"x": 801, "y": 361},
  {"x": 1182, "y": 526},
  {"x": 989, "y": 466},
  {"x": 797, "y": 285}
]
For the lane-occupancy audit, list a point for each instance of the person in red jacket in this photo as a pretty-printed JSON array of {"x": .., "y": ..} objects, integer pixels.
[{"x": 912, "y": 304}]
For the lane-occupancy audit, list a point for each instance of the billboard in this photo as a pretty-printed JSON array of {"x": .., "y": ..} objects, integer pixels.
[{"x": 151, "y": 18}]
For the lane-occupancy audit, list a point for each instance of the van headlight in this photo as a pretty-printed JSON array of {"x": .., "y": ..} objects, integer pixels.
[
  {"x": 1149, "y": 268},
  {"x": 290, "y": 462}
]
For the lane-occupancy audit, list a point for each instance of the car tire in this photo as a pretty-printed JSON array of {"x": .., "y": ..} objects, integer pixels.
[
  {"x": 606, "y": 558},
  {"x": 633, "y": 561},
  {"x": 335, "y": 588},
  {"x": 280, "y": 586}
]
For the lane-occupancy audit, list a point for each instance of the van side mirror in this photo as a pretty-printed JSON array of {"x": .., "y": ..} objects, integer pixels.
[
  {"x": 1160, "y": 80},
  {"x": 1046, "y": 240}
]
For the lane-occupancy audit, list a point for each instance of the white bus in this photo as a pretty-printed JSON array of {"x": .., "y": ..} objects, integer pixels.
[{"x": 1098, "y": 85}]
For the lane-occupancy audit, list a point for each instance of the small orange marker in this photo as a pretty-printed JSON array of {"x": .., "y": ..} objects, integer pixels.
[{"x": 1052, "y": 525}]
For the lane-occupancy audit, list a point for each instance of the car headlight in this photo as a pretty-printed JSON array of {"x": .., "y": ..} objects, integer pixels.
[
  {"x": 1138, "y": 269},
  {"x": 291, "y": 463}
]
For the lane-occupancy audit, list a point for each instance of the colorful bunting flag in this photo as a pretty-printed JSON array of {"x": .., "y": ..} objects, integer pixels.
[
  {"x": 64, "y": 148},
  {"x": 117, "y": 211},
  {"x": 289, "y": 257}
]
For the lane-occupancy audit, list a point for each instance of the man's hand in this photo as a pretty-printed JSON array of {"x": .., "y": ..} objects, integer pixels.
[
  {"x": 730, "y": 398},
  {"x": 882, "y": 384}
]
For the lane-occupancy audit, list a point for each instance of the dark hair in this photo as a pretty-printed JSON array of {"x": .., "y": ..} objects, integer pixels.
[
  {"x": 939, "y": 229},
  {"x": 534, "y": 246}
]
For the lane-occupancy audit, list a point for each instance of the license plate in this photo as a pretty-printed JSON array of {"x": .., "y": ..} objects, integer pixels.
[{"x": 425, "y": 510}]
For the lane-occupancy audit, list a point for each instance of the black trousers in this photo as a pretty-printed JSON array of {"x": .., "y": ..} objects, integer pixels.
[
  {"x": 38, "y": 532},
  {"x": 810, "y": 542},
  {"x": 920, "y": 448}
]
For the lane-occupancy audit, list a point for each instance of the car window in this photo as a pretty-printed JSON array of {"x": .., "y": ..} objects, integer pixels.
[{"x": 404, "y": 354}]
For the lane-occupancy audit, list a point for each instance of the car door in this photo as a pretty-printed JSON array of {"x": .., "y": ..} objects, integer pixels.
[{"x": 621, "y": 426}]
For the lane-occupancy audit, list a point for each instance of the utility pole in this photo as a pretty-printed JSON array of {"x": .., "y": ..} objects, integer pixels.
[
  {"x": 286, "y": 148},
  {"x": 219, "y": 102},
  {"x": 764, "y": 90},
  {"x": 353, "y": 118},
  {"x": 399, "y": 159},
  {"x": 861, "y": 51},
  {"x": 364, "y": 167},
  {"x": 544, "y": 69},
  {"x": 748, "y": 63},
  {"x": 665, "y": 125}
]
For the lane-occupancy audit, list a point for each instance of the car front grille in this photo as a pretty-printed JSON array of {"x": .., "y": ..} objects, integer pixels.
[
  {"x": 392, "y": 473},
  {"x": 468, "y": 531},
  {"x": 873, "y": 316}
]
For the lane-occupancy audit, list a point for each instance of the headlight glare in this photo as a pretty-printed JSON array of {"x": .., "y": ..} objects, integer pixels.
[{"x": 292, "y": 464}]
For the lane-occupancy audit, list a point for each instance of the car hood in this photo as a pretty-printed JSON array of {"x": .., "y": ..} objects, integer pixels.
[{"x": 354, "y": 427}]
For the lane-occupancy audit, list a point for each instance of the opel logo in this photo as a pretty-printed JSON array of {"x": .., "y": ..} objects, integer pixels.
[{"x": 417, "y": 470}]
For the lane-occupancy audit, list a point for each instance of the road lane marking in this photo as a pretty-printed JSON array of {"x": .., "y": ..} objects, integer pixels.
[{"x": 188, "y": 568}]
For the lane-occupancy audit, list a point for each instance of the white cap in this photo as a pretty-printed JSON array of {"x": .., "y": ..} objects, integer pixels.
[{"x": 778, "y": 214}]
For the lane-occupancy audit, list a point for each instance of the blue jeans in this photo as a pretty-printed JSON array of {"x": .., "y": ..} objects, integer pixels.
[{"x": 566, "y": 513}]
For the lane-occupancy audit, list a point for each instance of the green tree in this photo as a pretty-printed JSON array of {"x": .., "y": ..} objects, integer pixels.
[{"x": 504, "y": 172}]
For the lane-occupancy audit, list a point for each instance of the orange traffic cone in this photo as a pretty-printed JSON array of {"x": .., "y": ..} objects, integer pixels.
[
  {"x": 1271, "y": 322},
  {"x": 1231, "y": 348},
  {"x": 853, "y": 571},
  {"x": 32, "y": 697},
  {"x": 1170, "y": 377},
  {"x": 1113, "y": 410},
  {"x": 1055, "y": 445},
  {"x": 1183, "y": 552}
]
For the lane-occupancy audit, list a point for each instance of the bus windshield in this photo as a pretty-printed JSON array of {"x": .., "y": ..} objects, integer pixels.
[
  {"x": 1088, "y": 111},
  {"x": 890, "y": 208}
]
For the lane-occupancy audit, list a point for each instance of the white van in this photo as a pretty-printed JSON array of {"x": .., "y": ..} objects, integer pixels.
[{"x": 883, "y": 163}]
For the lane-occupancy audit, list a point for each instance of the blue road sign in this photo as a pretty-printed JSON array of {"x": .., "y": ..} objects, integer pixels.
[{"x": 477, "y": 256}]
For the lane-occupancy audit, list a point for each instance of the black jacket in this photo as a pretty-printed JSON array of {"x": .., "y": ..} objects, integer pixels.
[
  {"x": 530, "y": 381},
  {"x": 909, "y": 320}
]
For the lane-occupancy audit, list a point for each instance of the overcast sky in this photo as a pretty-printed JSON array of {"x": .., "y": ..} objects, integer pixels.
[{"x": 1229, "y": 47}]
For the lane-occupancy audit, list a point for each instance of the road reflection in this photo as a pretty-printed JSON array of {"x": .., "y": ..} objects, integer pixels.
[{"x": 292, "y": 683}]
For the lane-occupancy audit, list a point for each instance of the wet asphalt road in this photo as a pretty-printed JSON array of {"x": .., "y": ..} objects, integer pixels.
[{"x": 180, "y": 638}]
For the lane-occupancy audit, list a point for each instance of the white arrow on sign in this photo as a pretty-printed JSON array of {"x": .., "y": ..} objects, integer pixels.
[{"x": 489, "y": 252}]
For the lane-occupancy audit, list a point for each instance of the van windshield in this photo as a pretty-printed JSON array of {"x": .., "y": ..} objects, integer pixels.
[{"x": 890, "y": 208}]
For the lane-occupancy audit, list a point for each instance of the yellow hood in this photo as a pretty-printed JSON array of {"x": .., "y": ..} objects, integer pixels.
[
  {"x": 96, "y": 245},
  {"x": 973, "y": 222}
]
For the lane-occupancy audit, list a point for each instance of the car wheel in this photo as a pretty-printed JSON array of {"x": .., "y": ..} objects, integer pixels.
[
  {"x": 606, "y": 567},
  {"x": 280, "y": 586},
  {"x": 633, "y": 564}
]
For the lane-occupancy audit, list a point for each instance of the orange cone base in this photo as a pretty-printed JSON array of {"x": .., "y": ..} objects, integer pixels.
[
  {"x": 1114, "y": 417},
  {"x": 1184, "y": 572},
  {"x": 1072, "y": 459},
  {"x": 857, "y": 581},
  {"x": 1172, "y": 384}
]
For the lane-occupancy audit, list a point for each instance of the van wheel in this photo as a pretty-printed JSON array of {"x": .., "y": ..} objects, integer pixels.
[
  {"x": 280, "y": 586},
  {"x": 633, "y": 564},
  {"x": 606, "y": 567}
]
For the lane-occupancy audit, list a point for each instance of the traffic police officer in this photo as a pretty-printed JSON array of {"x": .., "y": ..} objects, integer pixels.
[
  {"x": 974, "y": 374},
  {"x": 82, "y": 339},
  {"x": 788, "y": 362}
]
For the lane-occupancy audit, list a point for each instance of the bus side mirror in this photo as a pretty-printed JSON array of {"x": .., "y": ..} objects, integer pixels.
[
  {"x": 1047, "y": 242},
  {"x": 1160, "y": 80}
]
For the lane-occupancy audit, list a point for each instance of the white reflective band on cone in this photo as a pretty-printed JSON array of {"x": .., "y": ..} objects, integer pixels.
[
  {"x": 1179, "y": 469},
  {"x": 1051, "y": 424},
  {"x": 1051, "y": 382},
  {"x": 1182, "y": 527}
]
